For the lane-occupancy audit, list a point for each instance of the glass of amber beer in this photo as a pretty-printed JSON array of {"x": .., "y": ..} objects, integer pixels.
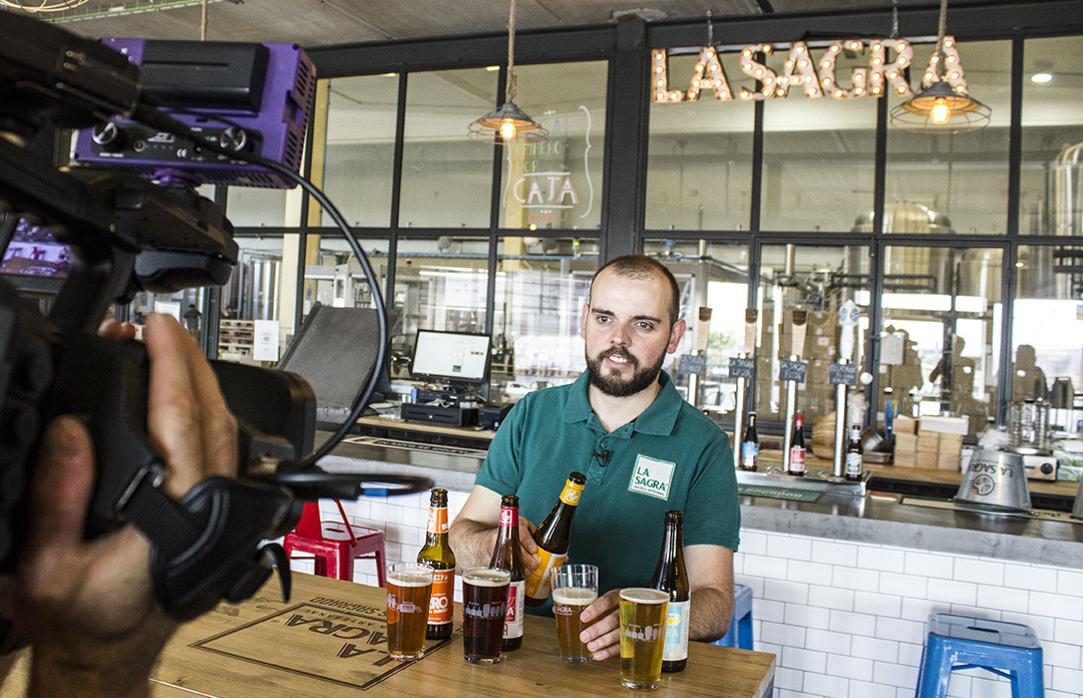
[
  {"x": 408, "y": 589},
  {"x": 574, "y": 588},
  {"x": 642, "y": 631},
  {"x": 485, "y": 603}
]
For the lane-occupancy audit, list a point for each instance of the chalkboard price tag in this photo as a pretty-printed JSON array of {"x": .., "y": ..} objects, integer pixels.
[
  {"x": 692, "y": 363},
  {"x": 742, "y": 368},
  {"x": 840, "y": 374},
  {"x": 792, "y": 370}
]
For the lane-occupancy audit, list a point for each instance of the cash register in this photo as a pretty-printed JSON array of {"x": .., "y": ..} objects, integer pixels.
[{"x": 454, "y": 367}]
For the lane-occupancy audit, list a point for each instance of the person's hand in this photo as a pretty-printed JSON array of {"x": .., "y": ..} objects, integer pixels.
[
  {"x": 87, "y": 606},
  {"x": 603, "y": 637}
]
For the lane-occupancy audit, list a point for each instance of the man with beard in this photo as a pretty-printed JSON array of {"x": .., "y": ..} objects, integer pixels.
[{"x": 643, "y": 449}]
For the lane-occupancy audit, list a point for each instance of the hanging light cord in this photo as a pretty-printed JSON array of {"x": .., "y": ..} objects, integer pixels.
[
  {"x": 710, "y": 29},
  {"x": 509, "y": 89},
  {"x": 941, "y": 30},
  {"x": 894, "y": 19}
]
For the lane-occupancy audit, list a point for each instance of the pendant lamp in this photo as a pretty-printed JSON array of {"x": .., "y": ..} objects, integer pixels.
[
  {"x": 941, "y": 108},
  {"x": 509, "y": 123}
]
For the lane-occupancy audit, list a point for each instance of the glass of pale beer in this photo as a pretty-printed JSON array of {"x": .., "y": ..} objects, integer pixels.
[
  {"x": 485, "y": 604},
  {"x": 574, "y": 588},
  {"x": 408, "y": 589},
  {"x": 642, "y": 632}
]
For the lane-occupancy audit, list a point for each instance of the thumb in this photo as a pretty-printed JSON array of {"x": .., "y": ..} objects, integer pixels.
[{"x": 61, "y": 488}]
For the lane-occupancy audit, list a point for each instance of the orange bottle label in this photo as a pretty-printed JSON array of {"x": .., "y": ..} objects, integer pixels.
[
  {"x": 443, "y": 592},
  {"x": 571, "y": 493},
  {"x": 537, "y": 583},
  {"x": 437, "y": 520}
]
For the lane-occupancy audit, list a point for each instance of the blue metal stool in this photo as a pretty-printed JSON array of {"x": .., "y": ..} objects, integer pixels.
[
  {"x": 955, "y": 643},
  {"x": 740, "y": 633}
]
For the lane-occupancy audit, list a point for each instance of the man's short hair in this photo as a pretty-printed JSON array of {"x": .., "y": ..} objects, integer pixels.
[{"x": 639, "y": 266}]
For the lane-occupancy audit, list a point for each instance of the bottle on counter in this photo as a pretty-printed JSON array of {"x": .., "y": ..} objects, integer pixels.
[
  {"x": 506, "y": 556},
  {"x": 553, "y": 537},
  {"x": 438, "y": 555},
  {"x": 853, "y": 454},
  {"x": 797, "y": 446},
  {"x": 671, "y": 576},
  {"x": 750, "y": 445}
]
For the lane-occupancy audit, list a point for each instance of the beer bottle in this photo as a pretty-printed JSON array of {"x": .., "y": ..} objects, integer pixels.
[
  {"x": 437, "y": 554},
  {"x": 670, "y": 576},
  {"x": 553, "y": 538},
  {"x": 506, "y": 556},
  {"x": 797, "y": 447},
  {"x": 750, "y": 444},
  {"x": 853, "y": 454}
]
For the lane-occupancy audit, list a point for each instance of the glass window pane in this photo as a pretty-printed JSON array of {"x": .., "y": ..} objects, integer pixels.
[
  {"x": 440, "y": 284},
  {"x": 334, "y": 277},
  {"x": 541, "y": 286},
  {"x": 699, "y": 169},
  {"x": 943, "y": 307},
  {"x": 1052, "y": 170},
  {"x": 558, "y": 183},
  {"x": 818, "y": 280},
  {"x": 446, "y": 177},
  {"x": 1045, "y": 363},
  {"x": 954, "y": 183},
  {"x": 818, "y": 156},
  {"x": 255, "y": 292},
  {"x": 359, "y": 157},
  {"x": 253, "y": 207},
  {"x": 714, "y": 276}
]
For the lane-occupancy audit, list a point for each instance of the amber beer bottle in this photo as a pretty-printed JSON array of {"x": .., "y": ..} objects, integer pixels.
[
  {"x": 750, "y": 445},
  {"x": 506, "y": 556},
  {"x": 671, "y": 576},
  {"x": 553, "y": 538},
  {"x": 797, "y": 447},
  {"x": 853, "y": 454},
  {"x": 437, "y": 554}
]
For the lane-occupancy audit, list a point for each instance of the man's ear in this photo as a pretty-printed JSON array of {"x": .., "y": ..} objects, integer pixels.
[
  {"x": 675, "y": 334},
  {"x": 583, "y": 320}
]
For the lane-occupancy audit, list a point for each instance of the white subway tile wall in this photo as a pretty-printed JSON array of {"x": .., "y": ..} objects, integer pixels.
[
  {"x": 848, "y": 619},
  {"x": 844, "y": 619}
]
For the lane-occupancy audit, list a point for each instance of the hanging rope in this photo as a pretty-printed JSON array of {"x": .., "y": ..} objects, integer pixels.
[
  {"x": 894, "y": 19},
  {"x": 509, "y": 89},
  {"x": 710, "y": 29},
  {"x": 941, "y": 30}
]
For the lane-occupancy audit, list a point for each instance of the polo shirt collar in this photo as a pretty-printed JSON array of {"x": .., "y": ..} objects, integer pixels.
[{"x": 658, "y": 419}]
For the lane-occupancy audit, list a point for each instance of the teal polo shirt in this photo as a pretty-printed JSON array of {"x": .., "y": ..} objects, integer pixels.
[{"x": 670, "y": 457}]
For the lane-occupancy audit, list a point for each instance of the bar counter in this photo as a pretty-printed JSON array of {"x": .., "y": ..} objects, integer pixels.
[{"x": 329, "y": 640}]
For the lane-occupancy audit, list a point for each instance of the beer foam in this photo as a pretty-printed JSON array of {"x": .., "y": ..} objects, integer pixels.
[
  {"x": 649, "y": 596},
  {"x": 573, "y": 596},
  {"x": 487, "y": 577},
  {"x": 410, "y": 578}
]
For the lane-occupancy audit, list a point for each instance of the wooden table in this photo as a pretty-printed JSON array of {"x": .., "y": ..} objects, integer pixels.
[{"x": 328, "y": 640}]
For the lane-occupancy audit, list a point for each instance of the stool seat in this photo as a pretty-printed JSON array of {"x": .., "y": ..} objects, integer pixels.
[
  {"x": 740, "y": 633},
  {"x": 956, "y": 642},
  {"x": 335, "y": 544}
]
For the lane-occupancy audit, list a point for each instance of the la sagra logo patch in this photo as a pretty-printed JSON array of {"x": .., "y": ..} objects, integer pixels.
[{"x": 651, "y": 477}]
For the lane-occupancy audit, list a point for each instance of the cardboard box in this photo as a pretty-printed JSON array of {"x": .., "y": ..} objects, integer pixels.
[
  {"x": 951, "y": 443},
  {"x": 906, "y": 442},
  {"x": 905, "y": 425},
  {"x": 927, "y": 460},
  {"x": 906, "y": 459},
  {"x": 928, "y": 443},
  {"x": 946, "y": 425},
  {"x": 949, "y": 461}
]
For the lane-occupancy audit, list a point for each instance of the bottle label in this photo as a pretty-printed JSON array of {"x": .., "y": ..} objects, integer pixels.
[
  {"x": 853, "y": 463},
  {"x": 570, "y": 495},
  {"x": 443, "y": 591},
  {"x": 797, "y": 459},
  {"x": 508, "y": 516},
  {"x": 676, "y": 647},
  {"x": 513, "y": 621},
  {"x": 437, "y": 520},
  {"x": 537, "y": 583},
  {"x": 749, "y": 452}
]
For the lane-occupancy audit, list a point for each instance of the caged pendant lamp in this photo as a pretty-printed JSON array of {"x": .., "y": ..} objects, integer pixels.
[
  {"x": 509, "y": 123},
  {"x": 941, "y": 108}
]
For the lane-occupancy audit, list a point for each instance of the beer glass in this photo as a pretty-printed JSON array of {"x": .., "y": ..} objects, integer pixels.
[
  {"x": 642, "y": 621},
  {"x": 574, "y": 588},
  {"x": 408, "y": 589},
  {"x": 485, "y": 602}
]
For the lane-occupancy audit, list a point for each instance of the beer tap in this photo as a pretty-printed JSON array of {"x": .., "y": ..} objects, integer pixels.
[
  {"x": 742, "y": 369},
  {"x": 792, "y": 372},
  {"x": 842, "y": 375}
]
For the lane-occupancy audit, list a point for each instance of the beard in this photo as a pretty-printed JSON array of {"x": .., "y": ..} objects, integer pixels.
[{"x": 611, "y": 382}]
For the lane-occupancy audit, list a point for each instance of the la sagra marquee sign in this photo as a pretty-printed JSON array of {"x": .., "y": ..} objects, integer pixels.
[{"x": 816, "y": 78}]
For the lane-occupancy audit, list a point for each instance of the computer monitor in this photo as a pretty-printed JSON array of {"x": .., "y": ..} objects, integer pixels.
[{"x": 451, "y": 357}]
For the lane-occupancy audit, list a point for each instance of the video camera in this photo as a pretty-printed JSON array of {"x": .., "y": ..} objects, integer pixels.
[{"x": 179, "y": 114}]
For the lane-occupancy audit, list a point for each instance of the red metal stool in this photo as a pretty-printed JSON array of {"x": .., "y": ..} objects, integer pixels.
[{"x": 334, "y": 544}]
